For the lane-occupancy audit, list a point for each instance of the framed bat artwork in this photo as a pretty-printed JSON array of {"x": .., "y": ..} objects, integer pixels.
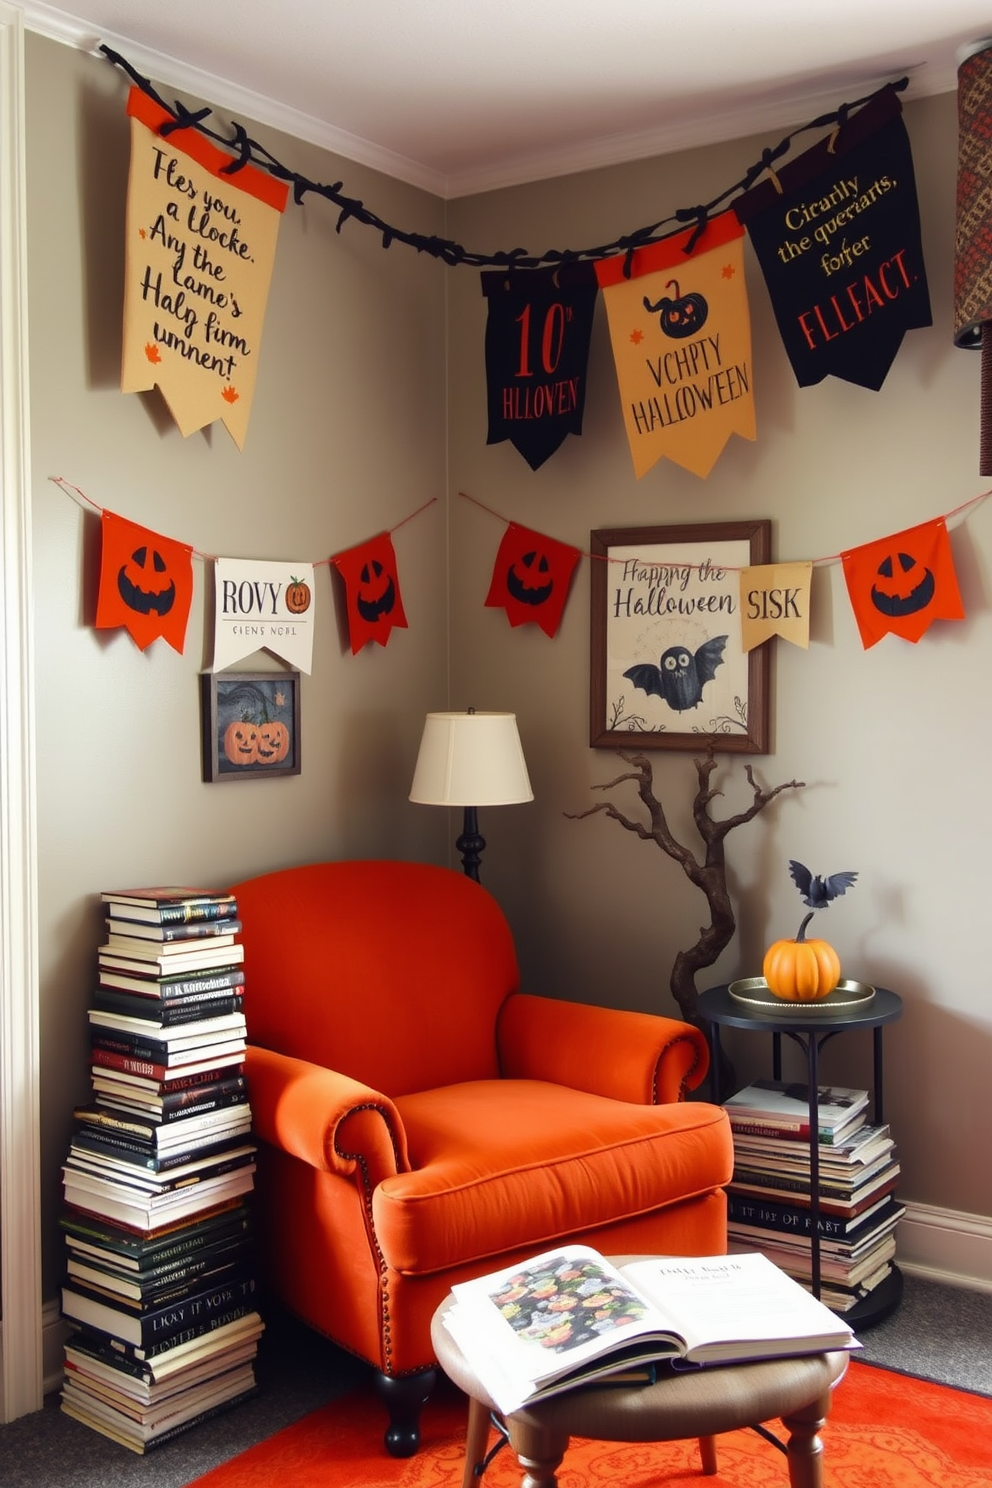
[{"x": 667, "y": 668}]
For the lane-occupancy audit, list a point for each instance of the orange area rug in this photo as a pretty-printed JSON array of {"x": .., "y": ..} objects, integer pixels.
[{"x": 885, "y": 1431}]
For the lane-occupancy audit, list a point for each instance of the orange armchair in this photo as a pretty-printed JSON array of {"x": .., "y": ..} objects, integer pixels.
[{"x": 421, "y": 1121}]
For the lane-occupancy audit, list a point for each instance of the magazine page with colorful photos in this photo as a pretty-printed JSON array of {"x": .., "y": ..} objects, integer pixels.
[{"x": 570, "y": 1316}]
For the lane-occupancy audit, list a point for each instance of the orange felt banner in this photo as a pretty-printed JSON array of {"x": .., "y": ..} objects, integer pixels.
[
  {"x": 146, "y": 583},
  {"x": 902, "y": 583},
  {"x": 199, "y": 250},
  {"x": 681, "y": 333},
  {"x": 372, "y": 586},
  {"x": 531, "y": 578}
]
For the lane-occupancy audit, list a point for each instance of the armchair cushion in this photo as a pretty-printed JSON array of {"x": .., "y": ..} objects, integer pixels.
[{"x": 504, "y": 1165}]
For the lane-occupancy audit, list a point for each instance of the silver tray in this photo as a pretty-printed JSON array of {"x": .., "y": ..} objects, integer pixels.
[{"x": 755, "y": 992}]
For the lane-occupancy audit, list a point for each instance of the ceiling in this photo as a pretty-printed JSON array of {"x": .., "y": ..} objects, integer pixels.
[{"x": 460, "y": 96}]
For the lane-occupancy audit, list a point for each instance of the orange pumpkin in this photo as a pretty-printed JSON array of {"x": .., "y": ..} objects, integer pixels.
[
  {"x": 241, "y": 742},
  {"x": 297, "y": 597},
  {"x": 801, "y": 970},
  {"x": 273, "y": 742}
]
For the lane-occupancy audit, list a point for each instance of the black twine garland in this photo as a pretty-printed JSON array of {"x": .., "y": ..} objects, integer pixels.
[{"x": 248, "y": 151}]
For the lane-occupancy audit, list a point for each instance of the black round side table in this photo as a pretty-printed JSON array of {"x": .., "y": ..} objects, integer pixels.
[{"x": 811, "y": 1029}]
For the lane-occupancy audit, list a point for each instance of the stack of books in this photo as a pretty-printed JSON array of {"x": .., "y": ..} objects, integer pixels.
[
  {"x": 768, "y": 1201},
  {"x": 160, "y": 1286}
]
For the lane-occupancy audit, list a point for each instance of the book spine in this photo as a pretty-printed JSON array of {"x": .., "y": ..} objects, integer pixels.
[
  {"x": 186, "y": 913},
  {"x": 167, "y": 1014},
  {"x": 159, "y": 1051},
  {"x": 171, "y": 1432},
  {"x": 110, "y": 1064},
  {"x": 163, "y": 1327},
  {"x": 800, "y": 1133},
  {"x": 170, "y": 989},
  {"x": 142, "y": 1155},
  {"x": 187, "y": 930},
  {"x": 756, "y": 1212}
]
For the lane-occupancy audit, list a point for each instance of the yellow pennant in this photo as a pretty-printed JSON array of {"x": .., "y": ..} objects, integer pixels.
[
  {"x": 198, "y": 259},
  {"x": 681, "y": 335},
  {"x": 775, "y": 601}
]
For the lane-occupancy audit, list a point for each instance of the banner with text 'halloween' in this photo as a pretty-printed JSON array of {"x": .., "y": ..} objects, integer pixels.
[
  {"x": 681, "y": 335},
  {"x": 537, "y": 351},
  {"x": 146, "y": 582},
  {"x": 531, "y": 578},
  {"x": 837, "y": 234},
  {"x": 199, "y": 251},
  {"x": 372, "y": 586},
  {"x": 261, "y": 604},
  {"x": 902, "y": 583},
  {"x": 775, "y": 601}
]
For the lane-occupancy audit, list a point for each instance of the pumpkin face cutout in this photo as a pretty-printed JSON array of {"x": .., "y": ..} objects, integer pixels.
[
  {"x": 903, "y": 586},
  {"x": 272, "y": 744},
  {"x": 681, "y": 316},
  {"x": 241, "y": 742},
  {"x": 144, "y": 583},
  {"x": 376, "y": 592},
  {"x": 530, "y": 583}
]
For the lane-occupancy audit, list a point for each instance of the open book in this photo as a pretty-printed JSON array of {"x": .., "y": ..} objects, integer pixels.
[{"x": 570, "y": 1316}]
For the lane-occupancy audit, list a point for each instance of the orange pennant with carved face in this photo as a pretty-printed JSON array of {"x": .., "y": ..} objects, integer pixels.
[
  {"x": 902, "y": 583},
  {"x": 372, "y": 585},
  {"x": 146, "y": 583}
]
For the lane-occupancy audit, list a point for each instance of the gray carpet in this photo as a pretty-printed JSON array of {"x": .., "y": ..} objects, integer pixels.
[{"x": 942, "y": 1333}]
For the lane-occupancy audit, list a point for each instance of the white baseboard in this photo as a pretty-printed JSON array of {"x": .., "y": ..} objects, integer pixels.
[
  {"x": 938, "y": 1244},
  {"x": 946, "y": 1245}
]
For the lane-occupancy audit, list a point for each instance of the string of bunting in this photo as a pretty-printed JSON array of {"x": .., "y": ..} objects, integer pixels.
[
  {"x": 897, "y": 584},
  {"x": 146, "y": 586},
  {"x": 246, "y": 151}
]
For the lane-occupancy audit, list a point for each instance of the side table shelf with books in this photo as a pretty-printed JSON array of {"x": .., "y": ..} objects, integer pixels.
[{"x": 811, "y": 1029}]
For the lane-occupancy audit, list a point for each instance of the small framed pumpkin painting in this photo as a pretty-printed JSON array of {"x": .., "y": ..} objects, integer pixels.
[
  {"x": 250, "y": 724},
  {"x": 667, "y": 667}
]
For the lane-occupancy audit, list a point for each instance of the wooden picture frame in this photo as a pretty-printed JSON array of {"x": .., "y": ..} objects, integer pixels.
[
  {"x": 250, "y": 725},
  {"x": 667, "y": 670}
]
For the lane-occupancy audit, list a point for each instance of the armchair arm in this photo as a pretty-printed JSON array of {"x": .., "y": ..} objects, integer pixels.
[
  {"x": 626, "y": 1056},
  {"x": 326, "y": 1119}
]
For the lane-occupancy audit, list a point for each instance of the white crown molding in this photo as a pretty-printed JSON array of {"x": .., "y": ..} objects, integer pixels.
[
  {"x": 240, "y": 103},
  {"x": 684, "y": 132}
]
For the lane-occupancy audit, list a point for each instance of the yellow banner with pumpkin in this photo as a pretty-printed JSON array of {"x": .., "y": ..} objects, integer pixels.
[{"x": 681, "y": 334}]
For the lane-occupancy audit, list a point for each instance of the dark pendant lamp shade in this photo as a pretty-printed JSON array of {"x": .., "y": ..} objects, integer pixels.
[{"x": 973, "y": 226}]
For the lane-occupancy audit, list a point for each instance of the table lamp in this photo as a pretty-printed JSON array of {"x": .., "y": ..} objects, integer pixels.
[{"x": 470, "y": 759}]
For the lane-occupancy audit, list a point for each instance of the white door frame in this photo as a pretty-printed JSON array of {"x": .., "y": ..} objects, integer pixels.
[{"x": 20, "y": 1188}]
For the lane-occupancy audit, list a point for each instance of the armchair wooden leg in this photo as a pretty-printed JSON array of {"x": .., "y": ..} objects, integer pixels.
[
  {"x": 707, "y": 1454},
  {"x": 404, "y": 1397},
  {"x": 805, "y": 1449}
]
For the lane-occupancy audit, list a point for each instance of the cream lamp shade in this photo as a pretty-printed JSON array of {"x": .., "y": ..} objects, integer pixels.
[{"x": 471, "y": 759}]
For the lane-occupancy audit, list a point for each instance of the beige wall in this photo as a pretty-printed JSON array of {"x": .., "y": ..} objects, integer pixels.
[
  {"x": 891, "y": 742},
  {"x": 349, "y": 433},
  {"x": 346, "y": 438}
]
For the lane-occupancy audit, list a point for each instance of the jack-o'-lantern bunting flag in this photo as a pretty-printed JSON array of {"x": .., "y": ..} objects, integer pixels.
[
  {"x": 263, "y": 604},
  {"x": 775, "y": 601},
  {"x": 537, "y": 351},
  {"x": 531, "y": 578},
  {"x": 198, "y": 257},
  {"x": 837, "y": 234},
  {"x": 146, "y": 583},
  {"x": 681, "y": 335},
  {"x": 372, "y": 587},
  {"x": 902, "y": 583}
]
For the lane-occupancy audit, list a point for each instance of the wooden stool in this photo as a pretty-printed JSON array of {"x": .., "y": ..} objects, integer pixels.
[{"x": 702, "y": 1403}]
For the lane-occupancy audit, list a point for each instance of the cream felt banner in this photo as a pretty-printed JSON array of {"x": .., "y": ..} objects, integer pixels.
[
  {"x": 681, "y": 334},
  {"x": 199, "y": 251},
  {"x": 263, "y": 605},
  {"x": 775, "y": 601}
]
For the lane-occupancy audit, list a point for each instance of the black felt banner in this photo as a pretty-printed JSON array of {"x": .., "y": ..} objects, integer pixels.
[
  {"x": 837, "y": 234},
  {"x": 537, "y": 352}
]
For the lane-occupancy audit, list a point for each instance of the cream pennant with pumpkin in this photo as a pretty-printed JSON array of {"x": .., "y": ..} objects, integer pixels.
[
  {"x": 263, "y": 605},
  {"x": 775, "y": 601},
  {"x": 199, "y": 250},
  {"x": 681, "y": 334}
]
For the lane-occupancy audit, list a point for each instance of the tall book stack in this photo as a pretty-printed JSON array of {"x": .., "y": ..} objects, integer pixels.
[
  {"x": 160, "y": 1288},
  {"x": 768, "y": 1201}
]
